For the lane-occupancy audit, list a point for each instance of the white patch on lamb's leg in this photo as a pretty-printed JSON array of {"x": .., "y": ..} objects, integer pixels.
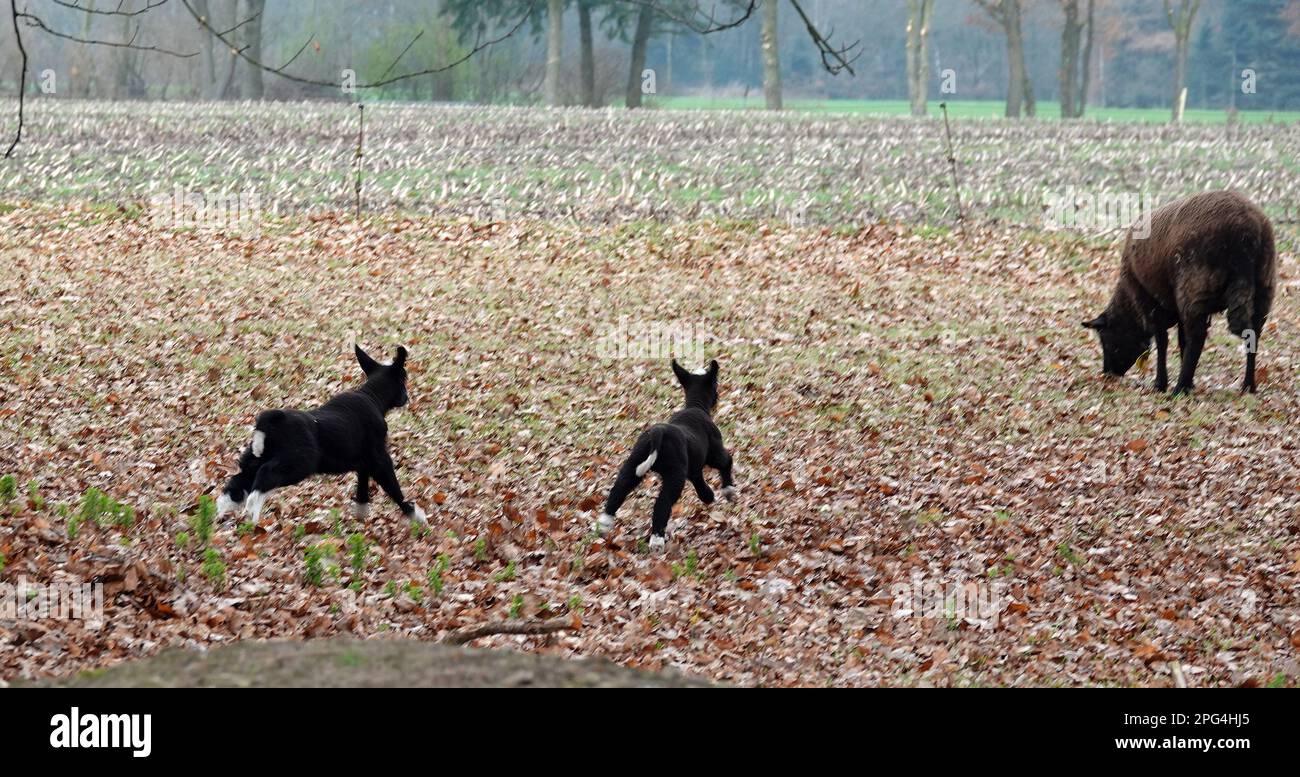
[
  {"x": 657, "y": 542},
  {"x": 417, "y": 515},
  {"x": 729, "y": 493},
  {"x": 227, "y": 505},
  {"x": 256, "y": 500},
  {"x": 603, "y": 523},
  {"x": 361, "y": 510},
  {"x": 259, "y": 443}
]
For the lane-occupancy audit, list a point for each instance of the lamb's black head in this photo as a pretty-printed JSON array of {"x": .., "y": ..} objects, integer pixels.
[
  {"x": 387, "y": 382},
  {"x": 1122, "y": 342},
  {"x": 701, "y": 390}
]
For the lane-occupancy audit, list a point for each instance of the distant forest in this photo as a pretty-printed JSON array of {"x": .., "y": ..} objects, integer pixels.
[{"x": 1120, "y": 53}]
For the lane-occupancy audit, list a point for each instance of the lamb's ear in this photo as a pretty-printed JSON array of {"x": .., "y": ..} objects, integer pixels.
[
  {"x": 683, "y": 377},
  {"x": 713, "y": 369},
  {"x": 400, "y": 359},
  {"x": 1097, "y": 323},
  {"x": 368, "y": 365}
]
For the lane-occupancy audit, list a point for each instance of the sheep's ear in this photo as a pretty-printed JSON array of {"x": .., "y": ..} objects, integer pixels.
[
  {"x": 400, "y": 359},
  {"x": 368, "y": 365},
  {"x": 713, "y": 369},
  {"x": 1097, "y": 323},
  {"x": 683, "y": 377}
]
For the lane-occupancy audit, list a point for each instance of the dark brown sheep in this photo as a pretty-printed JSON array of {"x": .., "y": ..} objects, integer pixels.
[{"x": 1205, "y": 254}]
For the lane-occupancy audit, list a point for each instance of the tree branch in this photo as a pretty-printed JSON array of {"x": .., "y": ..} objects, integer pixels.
[
  {"x": 833, "y": 59},
  {"x": 149, "y": 6},
  {"x": 382, "y": 81},
  {"x": 33, "y": 20},
  {"x": 710, "y": 23},
  {"x": 37, "y": 22},
  {"x": 398, "y": 58},
  {"x": 22, "y": 78}
]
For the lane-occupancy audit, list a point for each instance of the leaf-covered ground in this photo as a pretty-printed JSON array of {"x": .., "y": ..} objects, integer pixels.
[{"x": 901, "y": 404}]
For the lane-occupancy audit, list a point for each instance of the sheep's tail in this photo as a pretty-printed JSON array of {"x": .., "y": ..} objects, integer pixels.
[
  {"x": 1254, "y": 256},
  {"x": 1241, "y": 302}
]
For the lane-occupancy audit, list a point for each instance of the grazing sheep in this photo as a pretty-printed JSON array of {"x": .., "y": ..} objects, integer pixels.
[{"x": 1205, "y": 254}]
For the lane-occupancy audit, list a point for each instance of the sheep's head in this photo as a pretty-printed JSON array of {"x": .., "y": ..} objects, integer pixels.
[{"x": 1122, "y": 342}]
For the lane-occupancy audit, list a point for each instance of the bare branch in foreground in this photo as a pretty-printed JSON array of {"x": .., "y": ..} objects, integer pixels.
[{"x": 22, "y": 78}]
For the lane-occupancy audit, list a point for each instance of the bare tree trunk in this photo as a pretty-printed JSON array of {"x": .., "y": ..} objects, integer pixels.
[
  {"x": 668, "y": 64},
  {"x": 126, "y": 79},
  {"x": 771, "y": 57},
  {"x": 587, "y": 76},
  {"x": 1180, "y": 80},
  {"x": 644, "y": 23},
  {"x": 1015, "y": 75},
  {"x": 1181, "y": 20},
  {"x": 229, "y": 88},
  {"x": 252, "y": 37},
  {"x": 229, "y": 83},
  {"x": 1020, "y": 91},
  {"x": 554, "y": 50},
  {"x": 1071, "y": 34},
  {"x": 1016, "y": 51},
  {"x": 918, "y": 53},
  {"x": 1085, "y": 79},
  {"x": 207, "y": 65}
]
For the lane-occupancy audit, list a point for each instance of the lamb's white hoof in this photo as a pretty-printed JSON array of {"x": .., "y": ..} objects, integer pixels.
[
  {"x": 418, "y": 516},
  {"x": 254, "y": 505},
  {"x": 361, "y": 510},
  {"x": 227, "y": 505},
  {"x": 657, "y": 543},
  {"x": 729, "y": 493},
  {"x": 603, "y": 523}
]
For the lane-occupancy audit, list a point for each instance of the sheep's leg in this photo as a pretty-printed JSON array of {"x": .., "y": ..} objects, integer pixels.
[
  {"x": 1196, "y": 330},
  {"x": 1162, "y": 369}
]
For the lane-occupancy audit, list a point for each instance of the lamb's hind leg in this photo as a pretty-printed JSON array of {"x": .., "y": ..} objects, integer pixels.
[
  {"x": 274, "y": 474},
  {"x": 232, "y": 496},
  {"x": 674, "y": 481},
  {"x": 626, "y": 482}
]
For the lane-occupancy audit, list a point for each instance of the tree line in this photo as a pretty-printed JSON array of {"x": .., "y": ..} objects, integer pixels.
[{"x": 1230, "y": 54}]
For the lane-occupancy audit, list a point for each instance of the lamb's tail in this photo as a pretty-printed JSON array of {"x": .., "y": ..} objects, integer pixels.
[
  {"x": 265, "y": 422},
  {"x": 648, "y": 447}
]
